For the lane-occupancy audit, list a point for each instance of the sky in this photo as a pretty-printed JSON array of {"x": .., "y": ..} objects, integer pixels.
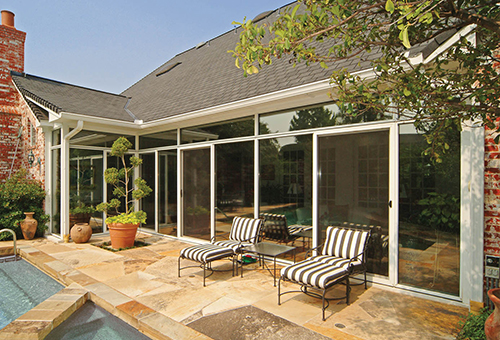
[{"x": 109, "y": 45}]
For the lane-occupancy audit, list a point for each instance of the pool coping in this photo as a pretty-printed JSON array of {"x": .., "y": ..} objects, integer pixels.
[{"x": 80, "y": 288}]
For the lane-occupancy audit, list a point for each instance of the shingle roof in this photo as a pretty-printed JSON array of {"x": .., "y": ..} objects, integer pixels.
[
  {"x": 207, "y": 77},
  {"x": 62, "y": 97}
]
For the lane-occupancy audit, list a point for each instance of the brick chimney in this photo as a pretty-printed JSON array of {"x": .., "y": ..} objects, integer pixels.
[{"x": 11, "y": 59}]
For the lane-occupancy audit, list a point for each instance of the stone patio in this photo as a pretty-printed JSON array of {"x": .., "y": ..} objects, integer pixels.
[{"x": 141, "y": 287}]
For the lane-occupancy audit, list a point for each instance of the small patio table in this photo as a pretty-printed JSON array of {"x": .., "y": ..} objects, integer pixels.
[{"x": 269, "y": 249}]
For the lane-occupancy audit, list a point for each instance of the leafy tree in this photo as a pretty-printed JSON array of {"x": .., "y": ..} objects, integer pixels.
[{"x": 460, "y": 83}]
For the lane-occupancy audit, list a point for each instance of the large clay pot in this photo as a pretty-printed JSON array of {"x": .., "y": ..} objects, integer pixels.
[
  {"x": 122, "y": 235},
  {"x": 81, "y": 232},
  {"x": 28, "y": 226},
  {"x": 492, "y": 324}
]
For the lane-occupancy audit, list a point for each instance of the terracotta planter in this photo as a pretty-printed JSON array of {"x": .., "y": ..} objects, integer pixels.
[
  {"x": 122, "y": 235},
  {"x": 81, "y": 232},
  {"x": 28, "y": 226},
  {"x": 492, "y": 324}
]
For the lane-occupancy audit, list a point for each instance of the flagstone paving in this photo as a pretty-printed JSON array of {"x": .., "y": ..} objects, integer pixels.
[{"x": 142, "y": 287}]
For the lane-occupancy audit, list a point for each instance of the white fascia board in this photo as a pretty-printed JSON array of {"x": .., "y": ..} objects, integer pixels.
[
  {"x": 319, "y": 87},
  {"x": 105, "y": 124},
  {"x": 450, "y": 42}
]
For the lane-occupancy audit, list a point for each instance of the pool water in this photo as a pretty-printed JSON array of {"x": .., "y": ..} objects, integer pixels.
[
  {"x": 91, "y": 322},
  {"x": 22, "y": 287}
]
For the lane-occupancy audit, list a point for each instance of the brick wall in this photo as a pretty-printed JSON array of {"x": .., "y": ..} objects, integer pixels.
[
  {"x": 14, "y": 113},
  {"x": 491, "y": 194}
]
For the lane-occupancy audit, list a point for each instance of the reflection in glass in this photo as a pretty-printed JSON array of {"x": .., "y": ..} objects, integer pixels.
[
  {"x": 167, "y": 193},
  {"x": 86, "y": 188},
  {"x": 95, "y": 138},
  {"x": 221, "y": 130},
  {"x": 353, "y": 189},
  {"x": 56, "y": 192},
  {"x": 286, "y": 185},
  {"x": 196, "y": 193},
  {"x": 158, "y": 139},
  {"x": 147, "y": 204},
  {"x": 235, "y": 183},
  {"x": 429, "y": 213},
  {"x": 314, "y": 117}
]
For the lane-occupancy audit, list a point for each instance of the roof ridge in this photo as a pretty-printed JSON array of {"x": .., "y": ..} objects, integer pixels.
[{"x": 206, "y": 42}]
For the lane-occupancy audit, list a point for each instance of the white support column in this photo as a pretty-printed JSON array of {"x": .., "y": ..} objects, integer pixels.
[
  {"x": 472, "y": 214},
  {"x": 65, "y": 183},
  {"x": 256, "y": 180},
  {"x": 47, "y": 132}
]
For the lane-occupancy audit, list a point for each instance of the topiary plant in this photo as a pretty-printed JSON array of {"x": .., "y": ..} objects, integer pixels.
[{"x": 121, "y": 179}]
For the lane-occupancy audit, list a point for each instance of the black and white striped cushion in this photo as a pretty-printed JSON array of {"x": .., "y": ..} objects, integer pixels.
[
  {"x": 346, "y": 243},
  {"x": 234, "y": 245},
  {"x": 205, "y": 253},
  {"x": 335, "y": 261},
  {"x": 314, "y": 273},
  {"x": 245, "y": 229},
  {"x": 293, "y": 229}
]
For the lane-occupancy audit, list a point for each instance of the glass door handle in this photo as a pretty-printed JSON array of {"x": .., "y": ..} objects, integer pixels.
[{"x": 390, "y": 204}]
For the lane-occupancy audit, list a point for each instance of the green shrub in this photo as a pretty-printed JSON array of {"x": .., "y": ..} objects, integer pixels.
[
  {"x": 473, "y": 326},
  {"x": 18, "y": 195}
]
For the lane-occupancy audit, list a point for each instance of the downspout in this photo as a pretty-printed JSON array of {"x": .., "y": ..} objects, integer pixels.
[
  {"x": 65, "y": 180},
  {"x": 72, "y": 133}
]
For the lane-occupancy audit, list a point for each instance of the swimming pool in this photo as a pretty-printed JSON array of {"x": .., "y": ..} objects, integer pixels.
[
  {"x": 91, "y": 322},
  {"x": 22, "y": 287}
]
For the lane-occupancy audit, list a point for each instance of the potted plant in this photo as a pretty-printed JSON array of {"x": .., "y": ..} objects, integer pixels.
[{"x": 123, "y": 226}]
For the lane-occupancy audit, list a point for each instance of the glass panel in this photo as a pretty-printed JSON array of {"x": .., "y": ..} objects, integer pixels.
[
  {"x": 56, "y": 192},
  {"x": 429, "y": 213},
  {"x": 147, "y": 204},
  {"x": 228, "y": 129},
  {"x": 353, "y": 189},
  {"x": 94, "y": 138},
  {"x": 167, "y": 204},
  {"x": 314, "y": 117},
  {"x": 86, "y": 188},
  {"x": 56, "y": 137},
  {"x": 286, "y": 186},
  {"x": 159, "y": 139},
  {"x": 235, "y": 183},
  {"x": 196, "y": 195}
]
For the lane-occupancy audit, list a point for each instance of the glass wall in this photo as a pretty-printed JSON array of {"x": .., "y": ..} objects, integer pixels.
[
  {"x": 314, "y": 117},
  {"x": 86, "y": 188},
  {"x": 234, "y": 183},
  {"x": 429, "y": 213},
  {"x": 56, "y": 192},
  {"x": 196, "y": 193},
  {"x": 158, "y": 139},
  {"x": 353, "y": 175},
  {"x": 94, "y": 138},
  {"x": 220, "y": 130},
  {"x": 167, "y": 193},
  {"x": 147, "y": 204}
]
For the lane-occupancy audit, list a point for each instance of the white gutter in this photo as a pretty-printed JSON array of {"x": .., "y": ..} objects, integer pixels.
[{"x": 72, "y": 133}]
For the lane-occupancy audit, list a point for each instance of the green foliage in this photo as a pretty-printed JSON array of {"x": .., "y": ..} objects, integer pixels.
[
  {"x": 447, "y": 87},
  {"x": 123, "y": 188},
  {"x": 18, "y": 195},
  {"x": 441, "y": 211},
  {"x": 198, "y": 210},
  {"x": 132, "y": 217},
  {"x": 473, "y": 326},
  {"x": 82, "y": 209}
]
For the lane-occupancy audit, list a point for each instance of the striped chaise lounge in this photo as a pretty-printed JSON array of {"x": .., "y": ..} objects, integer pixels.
[
  {"x": 275, "y": 228},
  {"x": 341, "y": 256},
  {"x": 244, "y": 232}
]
